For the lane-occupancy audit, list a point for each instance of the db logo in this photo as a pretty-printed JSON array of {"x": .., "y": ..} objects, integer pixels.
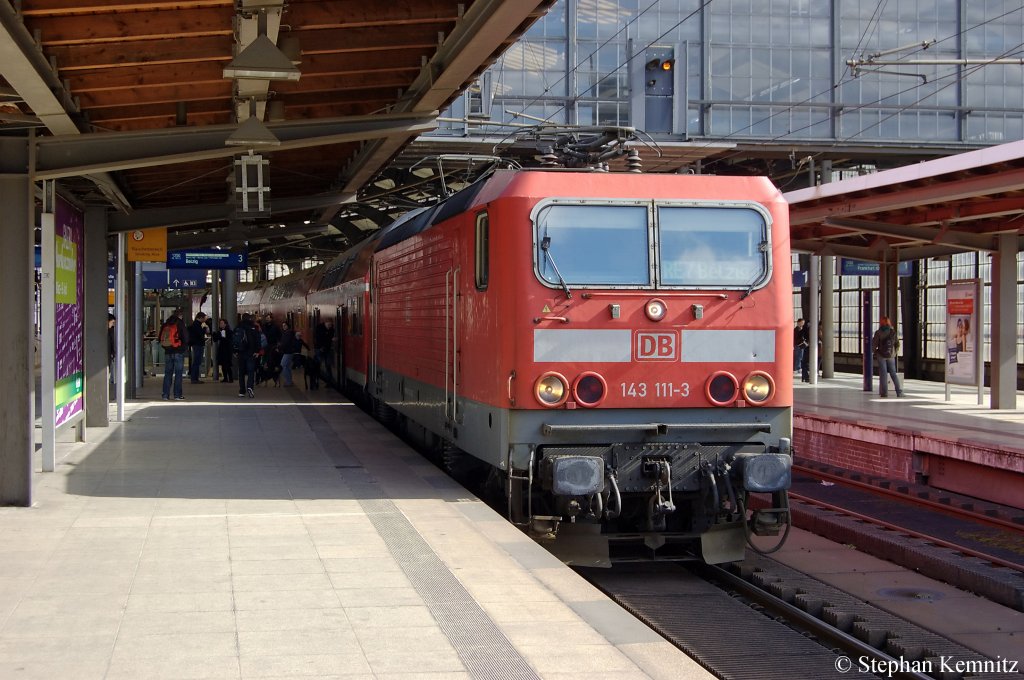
[{"x": 656, "y": 346}]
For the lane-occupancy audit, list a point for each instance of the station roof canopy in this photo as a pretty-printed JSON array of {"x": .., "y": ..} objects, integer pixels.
[
  {"x": 934, "y": 208},
  {"x": 145, "y": 104}
]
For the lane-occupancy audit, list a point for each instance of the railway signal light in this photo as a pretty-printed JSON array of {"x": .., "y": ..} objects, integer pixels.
[{"x": 661, "y": 64}]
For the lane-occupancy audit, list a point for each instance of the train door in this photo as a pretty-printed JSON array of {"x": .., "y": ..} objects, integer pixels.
[
  {"x": 452, "y": 415},
  {"x": 340, "y": 334}
]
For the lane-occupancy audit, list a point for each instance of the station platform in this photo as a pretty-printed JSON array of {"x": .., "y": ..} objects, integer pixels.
[
  {"x": 957, "y": 445},
  {"x": 287, "y": 536}
]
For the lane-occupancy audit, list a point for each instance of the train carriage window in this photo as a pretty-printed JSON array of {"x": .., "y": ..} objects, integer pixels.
[
  {"x": 712, "y": 246},
  {"x": 483, "y": 247},
  {"x": 593, "y": 245}
]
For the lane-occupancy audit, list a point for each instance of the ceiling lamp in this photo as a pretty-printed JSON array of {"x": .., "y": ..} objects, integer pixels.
[
  {"x": 252, "y": 132},
  {"x": 262, "y": 59}
]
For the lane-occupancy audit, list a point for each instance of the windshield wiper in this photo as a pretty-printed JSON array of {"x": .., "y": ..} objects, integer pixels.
[
  {"x": 545, "y": 245},
  {"x": 750, "y": 288},
  {"x": 762, "y": 247}
]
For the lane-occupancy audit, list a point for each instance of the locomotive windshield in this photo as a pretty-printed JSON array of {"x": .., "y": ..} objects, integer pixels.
[
  {"x": 724, "y": 247},
  {"x": 593, "y": 244},
  {"x": 620, "y": 244}
]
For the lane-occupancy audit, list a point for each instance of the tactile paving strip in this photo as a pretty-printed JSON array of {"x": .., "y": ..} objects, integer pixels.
[{"x": 478, "y": 641}]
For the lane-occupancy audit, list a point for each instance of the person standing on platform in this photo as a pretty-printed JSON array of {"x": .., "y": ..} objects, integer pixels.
[
  {"x": 111, "y": 345},
  {"x": 246, "y": 343},
  {"x": 224, "y": 340},
  {"x": 197, "y": 334},
  {"x": 172, "y": 339},
  {"x": 323, "y": 345},
  {"x": 801, "y": 341},
  {"x": 884, "y": 345},
  {"x": 289, "y": 346}
]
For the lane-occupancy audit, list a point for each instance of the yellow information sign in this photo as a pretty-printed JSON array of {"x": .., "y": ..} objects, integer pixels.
[{"x": 147, "y": 245}]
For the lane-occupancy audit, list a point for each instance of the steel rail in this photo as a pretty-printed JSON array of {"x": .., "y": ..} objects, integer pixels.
[
  {"x": 848, "y": 643},
  {"x": 909, "y": 532},
  {"x": 949, "y": 509}
]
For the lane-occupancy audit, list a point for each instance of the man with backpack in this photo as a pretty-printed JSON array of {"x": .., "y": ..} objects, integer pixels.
[
  {"x": 883, "y": 348},
  {"x": 247, "y": 345},
  {"x": 172, "y": 339}
]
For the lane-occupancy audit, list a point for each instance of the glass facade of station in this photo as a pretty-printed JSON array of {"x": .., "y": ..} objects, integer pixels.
[
  {"x": 776, "y": 71},
  {"x": 768, "y": 69}
]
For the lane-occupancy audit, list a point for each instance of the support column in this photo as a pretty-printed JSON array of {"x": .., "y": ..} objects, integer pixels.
[
  {"x": 138, "y": 311},
  {"x": 119, "y": 310},
  {"x": 1004, "y": 323},
  {"x": 828, "y": 273},
  {"x": 97, "y": 367},
  {"x": 828, "y": 291},
  {"x": 815, "y": 316},
  {"x": 229, "y": 300},
  {"x": 16, "y": 361},
  {"x": 211, "y": 354},
  {"x": 888, "y": 291}
]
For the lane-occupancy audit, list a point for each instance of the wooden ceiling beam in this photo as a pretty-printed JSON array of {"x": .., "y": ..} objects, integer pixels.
[
  {"x": 134, "y": 26},
  {"x": 42, "y": 8},
  {"x": 328, "y": 85},
  {"x": 333, "y": 14},
  {"x": 136, "y": 77},
  {"x": 315, "y": 65},
  {"x": 216, "y": 113},
  {"x": 72, "y": 58},
  {"x": 364, "y": 39},
  {"x": 171, "y": 94}
]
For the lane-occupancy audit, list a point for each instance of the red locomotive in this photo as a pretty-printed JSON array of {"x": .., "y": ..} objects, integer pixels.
[{"x": 615, "y": 349}]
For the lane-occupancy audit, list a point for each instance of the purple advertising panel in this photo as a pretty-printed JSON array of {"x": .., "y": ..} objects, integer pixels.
[{"x": 69, "y": 287}]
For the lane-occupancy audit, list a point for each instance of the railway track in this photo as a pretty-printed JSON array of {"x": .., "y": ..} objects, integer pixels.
[
  {"x": 762, "y": 619},
  {"x": 981, "y": 553},
  {"x": 945, "y": 506}
]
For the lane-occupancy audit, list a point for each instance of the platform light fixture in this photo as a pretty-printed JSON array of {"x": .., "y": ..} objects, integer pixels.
[
  {"x": 252, "y": 132},
  {"x": 262, "y": 59}
]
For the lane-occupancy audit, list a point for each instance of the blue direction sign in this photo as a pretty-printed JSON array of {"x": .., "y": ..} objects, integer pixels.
[
  {"x": 185, "y": 278},
  {"x": 154, "y": 280},
  {"x": 850, "y": 267},
  {"x": 206, "y": 259}
]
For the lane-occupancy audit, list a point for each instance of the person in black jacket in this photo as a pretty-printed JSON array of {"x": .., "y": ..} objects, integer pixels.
[
  {"x": 172, "y": 339},
  {"x": 197, "y": 334},
  {"x": 248, "y": 345},
  {"x": 801, "y": 341},
  {"x": 224, "y": 339},
  {"x": 323, "y": 345},
  {"x": 884, "y": 345},
  {"x": 111, "y": 345}
]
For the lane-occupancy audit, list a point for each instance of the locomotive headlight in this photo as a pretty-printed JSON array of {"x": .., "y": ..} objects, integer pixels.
[
  {"x": 574, "y": 475},
  {"x": 551, "y": 389},
  {"x": 722, "y": 388},
  {"x": 589, "y": 389},
  {"x": 758, "y": 387},
  {"x": 655, "y": 309},
  {"x": 765, "y": 472}
]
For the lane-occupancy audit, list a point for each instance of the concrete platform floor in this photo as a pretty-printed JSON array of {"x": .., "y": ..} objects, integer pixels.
[{"x": 268, "y": 538}]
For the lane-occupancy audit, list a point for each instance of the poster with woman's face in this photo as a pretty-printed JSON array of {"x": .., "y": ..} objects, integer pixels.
[{"x": 961, "y": 329}]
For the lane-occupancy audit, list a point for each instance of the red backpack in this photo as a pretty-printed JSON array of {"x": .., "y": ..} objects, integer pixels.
[{"x": 170, "y": 337}]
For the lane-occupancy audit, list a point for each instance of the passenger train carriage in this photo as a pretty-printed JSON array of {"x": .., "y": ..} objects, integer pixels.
[{"x": 615, "y": 348}]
